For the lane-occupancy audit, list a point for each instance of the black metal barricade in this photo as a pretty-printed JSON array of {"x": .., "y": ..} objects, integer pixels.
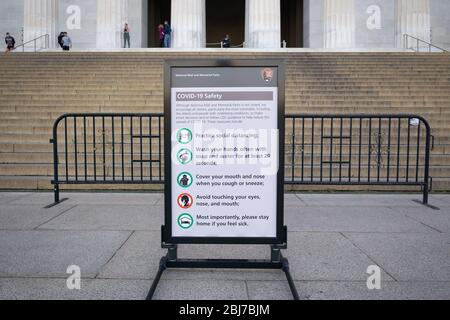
[
  {"x": 107, "y": 148},
  {"x": 363, "y": 149},
  {"x": 112, "y": 148}
]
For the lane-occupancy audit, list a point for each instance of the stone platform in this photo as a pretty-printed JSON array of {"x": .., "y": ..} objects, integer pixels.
[{"x": 115, "y": 239}]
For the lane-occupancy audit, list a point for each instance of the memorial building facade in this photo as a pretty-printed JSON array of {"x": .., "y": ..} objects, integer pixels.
[{"x": 258, "y": 24}]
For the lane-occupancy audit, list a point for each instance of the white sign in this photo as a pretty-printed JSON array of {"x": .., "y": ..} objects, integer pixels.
[{"x": 225, "y": 151}]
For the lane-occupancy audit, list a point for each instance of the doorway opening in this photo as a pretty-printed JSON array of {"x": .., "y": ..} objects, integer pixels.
[
  {"x": 158, "y": 12},
  {"x": 228, "y": 17},
  {"x": 292, "y": 23},
  {"x": 222, "y": 18}
]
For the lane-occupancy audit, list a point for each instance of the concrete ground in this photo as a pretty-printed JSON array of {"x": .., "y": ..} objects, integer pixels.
[{"x": 115, "y": 239}]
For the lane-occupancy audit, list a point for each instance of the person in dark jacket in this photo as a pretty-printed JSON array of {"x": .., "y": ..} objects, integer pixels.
[
  {"x": 167, "y": 34},
  {"x": 10, "y": 42},
  {"x": 226, "y": 42},
  {"x": 60, "y": 41}
]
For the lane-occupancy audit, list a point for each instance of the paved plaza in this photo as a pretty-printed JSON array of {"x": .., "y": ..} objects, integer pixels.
[{"x": 115, "y": 240}]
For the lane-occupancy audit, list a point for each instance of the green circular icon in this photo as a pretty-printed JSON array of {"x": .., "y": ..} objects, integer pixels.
[
  {"x": 185, "y": 221},
  {"x": 184, "y": 156},
  {"x": 184, "y": 136},
  {"x": 185, "y": 180}
]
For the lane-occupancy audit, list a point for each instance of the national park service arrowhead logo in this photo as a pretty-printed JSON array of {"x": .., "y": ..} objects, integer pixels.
[{"x": 267, "y": 74}]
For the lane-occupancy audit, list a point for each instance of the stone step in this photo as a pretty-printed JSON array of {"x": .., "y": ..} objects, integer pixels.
[
  {"x": 36, "y": 92},
  {"x": 43, "y": 183},
  {"x": 24, "y": 169}
]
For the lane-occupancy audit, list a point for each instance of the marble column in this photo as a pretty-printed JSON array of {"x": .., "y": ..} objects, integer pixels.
[
  {"x": 413, "y": 18},
  {"x": 40, "y": 18},
  {"x": 339, "y": 19},
  {"x": 111, "y": 18},
  {"x": 188, "y": 24},
  {"x": 263, "y": 24}
]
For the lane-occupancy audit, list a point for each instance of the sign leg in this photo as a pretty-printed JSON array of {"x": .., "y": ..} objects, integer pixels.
[{"x": 162, "y": 268}]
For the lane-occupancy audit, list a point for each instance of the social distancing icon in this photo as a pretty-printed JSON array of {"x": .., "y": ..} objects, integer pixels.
[{"x": 184, "y": 136}]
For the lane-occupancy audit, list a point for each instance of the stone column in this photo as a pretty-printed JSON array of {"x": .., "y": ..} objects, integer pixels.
[
  {"x": 339, "y": 19},
  {"x": 188, "y": 24},
  {"x": 111, "y": 18},
  {"x": 413, "y": 18},
  {"x": 40, "y": 18},
  {"x": 263, "y": 24}
]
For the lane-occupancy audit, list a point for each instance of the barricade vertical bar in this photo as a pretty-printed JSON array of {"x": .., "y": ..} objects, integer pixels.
[
  {"x": 350, "y": 149},
  {"x": 312, "y": 149},
  {"x": 293, "y": 149},
  {"x": 340, "y": 148},
  {"x": 418, "y": 152},
  {"x": 360, "y": 150},
  {"x": 55, "y": 162},
  {"x": 389, "y": 150},
  {"x": 66, "y": 149},
  {"x": 140, "y": 148},
  {"x": 122, "y": 148},
  {"x": 94, "y": 148},
  {"x": 379, "y": 150},
  {"x": 160, "y": 147},
  {"x": 85, "y": 148},
  {"x": 408, "y": 149},
  {"x": 104, "y": 147},
  {"x": 150, "y": 122},
  {"x": 303, "y": 148},
  {"x": 369, "y": 149},
  {"x": 398, "y": 148},
  {"x": 331, "y": 149},
  {"x": 113, "y": 132},
  {"x": 427, "y": 164},
  {"x": 321, "y": 150},
  {"x": 131, "y": 148},
  {"x": 75, "y": 147}
]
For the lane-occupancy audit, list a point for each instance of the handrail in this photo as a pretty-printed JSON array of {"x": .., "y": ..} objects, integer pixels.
[
  {"x": 215, "y": 44},
  {"x": 221, "y": 44},
  {"x": 418, "y": 41},
  {"x": 47, "y": 43}
]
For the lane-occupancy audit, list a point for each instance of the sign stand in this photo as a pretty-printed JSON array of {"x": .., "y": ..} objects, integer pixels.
[
  {"x": 277, "y": 262},
  {"x": 224, "y": 156}
]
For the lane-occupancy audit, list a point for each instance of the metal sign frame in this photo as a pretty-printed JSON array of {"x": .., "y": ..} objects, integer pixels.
[
  {"x": 281, "y": 230},
  {"x": 170, "y": 260}
]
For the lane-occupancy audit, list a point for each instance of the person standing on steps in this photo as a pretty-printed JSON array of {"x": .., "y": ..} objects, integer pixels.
[
  {"x": 10, "y": 42},
  {"x": 167, "y": 34},
  {"x": 67, "y": 42},
  {"x": 60, "y": 37},
  {"x": 161, "y": 35},
  {"x": 126, "y": 35}
]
